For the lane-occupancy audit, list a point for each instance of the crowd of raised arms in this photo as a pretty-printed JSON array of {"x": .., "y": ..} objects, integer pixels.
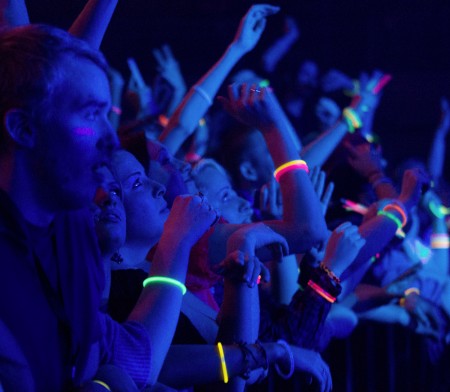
[{"x": 165, "y": 238}]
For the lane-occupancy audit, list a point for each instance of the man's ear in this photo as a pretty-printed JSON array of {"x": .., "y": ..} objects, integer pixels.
[
  {"x": 18, "y": 126},
  {"x": 248, "y": 171}
]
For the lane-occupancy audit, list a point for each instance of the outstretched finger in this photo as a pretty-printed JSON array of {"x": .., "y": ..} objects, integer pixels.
[{"x": 327, "y": 196}]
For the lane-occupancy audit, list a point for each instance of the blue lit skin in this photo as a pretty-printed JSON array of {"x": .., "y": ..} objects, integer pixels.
[{"x": 74, "y": 137}]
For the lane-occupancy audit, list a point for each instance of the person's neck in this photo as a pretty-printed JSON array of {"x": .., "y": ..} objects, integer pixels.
[
  {"x": 134, "y": 256},
  {"x": 18, "y": 182}
]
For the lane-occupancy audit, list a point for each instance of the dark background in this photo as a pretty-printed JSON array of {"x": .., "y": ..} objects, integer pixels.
[{"x": 409, "y": 39}]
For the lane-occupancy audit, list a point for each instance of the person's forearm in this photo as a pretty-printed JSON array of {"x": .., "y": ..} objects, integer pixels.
[
  {"x": 239, "y": 314},
  {"x": 14, "y": 13},
  {"x": 188, "y": 365},
  {"x": 93, "y": 21},
  {"x": 437, "y": 155},
  {"x": 159, "y": 305},
  {"x": 277, "y": 51},
  {"x": 303, "y": 224},
  {"x": 319, "y": 150},
  {"x": 197, "y": 101}
]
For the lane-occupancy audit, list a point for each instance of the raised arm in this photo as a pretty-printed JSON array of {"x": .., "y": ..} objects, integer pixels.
[
  {"x": 281, "y": 46},
  {"x": 93, "y": 21},
  {"x": 199, "y": 97},
  {"x": 437, "y": 154},
  {"x": 381, "y": 228},
  {"x": 303, "y": 224},
  {"x": 318, "y": 151}
]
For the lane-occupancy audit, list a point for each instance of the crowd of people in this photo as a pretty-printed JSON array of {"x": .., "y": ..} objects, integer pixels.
[{"x": 159, "y": 237}]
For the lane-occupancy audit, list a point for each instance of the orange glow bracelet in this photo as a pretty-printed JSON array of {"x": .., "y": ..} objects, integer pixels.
[
  {"x": 296, "y": 164},
  {"x": 319, "y": 290}
]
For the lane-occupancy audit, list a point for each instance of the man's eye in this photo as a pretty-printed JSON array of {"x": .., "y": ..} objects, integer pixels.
[{"x": 93, "y": 114}]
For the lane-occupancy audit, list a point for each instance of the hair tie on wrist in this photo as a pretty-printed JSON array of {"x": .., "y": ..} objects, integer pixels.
[{"x": 291, "y": 361}]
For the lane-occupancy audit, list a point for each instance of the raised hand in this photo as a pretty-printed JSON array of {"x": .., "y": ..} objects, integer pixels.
[
  {"x": 252, "y": 26},
  {"x": 444, "y": 125},
  {"x": 189, "y": 218},
  {"x": 318, "y": 178},
  {"x": 343, "y": 246},
  {"x": 270, "y": 202},
  {"x": 168, "y": 67},
  {"x": 241, "y": 257},
  {"x": 365, "y": 159},
  {"x": 336, "y": 80},
  {"x": 414, "y": 182},
  {"x": 311, "y": 362},
  {"x": 253, "y": 106}
]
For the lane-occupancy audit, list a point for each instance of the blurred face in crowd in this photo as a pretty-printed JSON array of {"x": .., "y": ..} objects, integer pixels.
[
  {"x": 145, "y": 207},
  {"x": 169, "y": 171},
  {"x": 73, "y": 138},
  {"x": 214, "y": 184},
  {"x": 259, "y": 156},
  {"x": 327, "y": 112},
  {"x": 109, "y": 214}
]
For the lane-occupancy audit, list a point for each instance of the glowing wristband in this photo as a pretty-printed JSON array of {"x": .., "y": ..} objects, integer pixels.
[
  {"x": 163, "y": 120},
  {"x": 291, "y": 361},
  {"x": 203, "y": 94},
  {"x": 296, "y": 164},
  {"x": 222, "y": 362},
  {"x": 382, "y": 82},
  {"x": 164, "y": 280},
  {"x": 392, "y": 217},
  {"x": 353, "y": 120},
  {"x": 103, "y": 384},
  {"x": 412, "y": 290},
  {"x": 116, "y": 110},
  {"x": 264, "y": 83},
  {"x": 436, "y": 210},
  {"x": 353, "y": 206},
  {"x": 400, "y": 210},
  {"x": 319, "y": 290},
  {"x": 440, "y": 241}
]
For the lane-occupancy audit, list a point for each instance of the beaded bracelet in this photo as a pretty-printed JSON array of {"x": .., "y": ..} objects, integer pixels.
[
  {"x": 296, "y": 164},
  {"x": 164, "y": 280},
  {"x": 319, "y": 290},
  {"x": 330, "y": 273},
  {"x": 291, "y": 361}
]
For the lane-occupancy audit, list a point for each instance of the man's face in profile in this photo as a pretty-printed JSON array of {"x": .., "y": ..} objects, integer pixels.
[{"x": 74, "y": 138}]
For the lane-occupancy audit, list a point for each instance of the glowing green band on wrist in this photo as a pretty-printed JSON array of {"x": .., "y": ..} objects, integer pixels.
[
  {"x": 391, "y": 216},
  {"x": 164, "y": 280}
]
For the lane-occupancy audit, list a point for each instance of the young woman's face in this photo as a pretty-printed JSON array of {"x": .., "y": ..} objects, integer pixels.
[
  {"x": 109, "y": 214},
  {"x": 169, "y": 171},
  {"x": 217, "y": 188},
  {"x": 145, "y": 206}
]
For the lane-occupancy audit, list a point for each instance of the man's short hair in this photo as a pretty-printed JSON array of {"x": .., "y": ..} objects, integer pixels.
[{"x": 30, "y": 66}]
